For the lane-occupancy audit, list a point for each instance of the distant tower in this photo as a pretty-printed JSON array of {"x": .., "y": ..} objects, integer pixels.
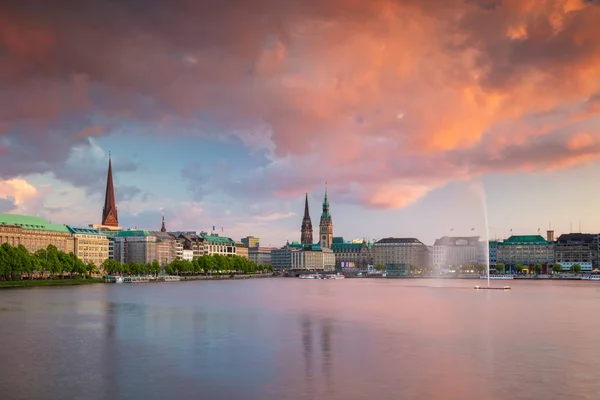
[
  {"x": 163, "y": 228},
  {"x": 109, "y": 212},
  {"x": 306, "y": 234},
  {"x": 550, "y": 235},
  {"x": 326, "y": 226}
]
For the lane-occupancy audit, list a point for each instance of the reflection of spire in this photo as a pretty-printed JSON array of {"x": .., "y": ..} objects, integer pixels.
[
  {"x": 326, "y": 349},
  {"x": 307, "y": 350}
]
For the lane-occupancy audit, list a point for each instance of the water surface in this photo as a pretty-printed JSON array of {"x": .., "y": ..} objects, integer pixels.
[{"x": 301, "y": 339}]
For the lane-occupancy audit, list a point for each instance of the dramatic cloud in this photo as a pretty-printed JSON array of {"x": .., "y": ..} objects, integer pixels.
[{"x": 384, "y": 99}]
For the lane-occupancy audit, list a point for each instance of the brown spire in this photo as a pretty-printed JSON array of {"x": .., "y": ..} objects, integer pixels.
[
  {"x": 163, "y": 229},
  {"x": 109, "y": 212},
  {"x": 306, "y": 232}
]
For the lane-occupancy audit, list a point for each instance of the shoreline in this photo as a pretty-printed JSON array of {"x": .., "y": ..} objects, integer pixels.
[{"x": 47, "y": 282}]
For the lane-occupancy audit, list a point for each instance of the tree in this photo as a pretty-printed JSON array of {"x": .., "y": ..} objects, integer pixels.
[
  {"x": 576, "y": 268},
  {"x": 538, "y": 269},
  {"x": 500, "y": 268},
  {"x": 556, "y": 268},
  {"x": 519, "y": 268},
  {"x": 380, "y": 267}
]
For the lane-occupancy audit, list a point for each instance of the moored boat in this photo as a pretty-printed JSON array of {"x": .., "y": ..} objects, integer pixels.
[{"x": 496, "y": 276}]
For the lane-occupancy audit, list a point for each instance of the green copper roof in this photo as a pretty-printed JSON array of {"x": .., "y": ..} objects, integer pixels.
[
  {"x": 313, "y": 247},
  {"x": 84, "y": 231},
  {"x": 337, "y": 239},
  {"x": 524, "y": 240},
  {"x": 28, "y": 222},
  {"x": 133, "y": 232},
  {"x": 218, "y": 239}
]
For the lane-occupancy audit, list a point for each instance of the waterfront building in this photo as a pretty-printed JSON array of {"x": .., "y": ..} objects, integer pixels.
[
  {"x": 409, "y": 251},
  {"x": 191, "y": 241},
  {"x": 166, "y": 247},
  {"x": 219, "y": 245},
  {"x": 91, "y": 245},
  {"x": 577, "y": 248},
  {"x": 251, "y": 241},
  {"x": 355, "y": 254},
  {"x": 282, "y": 258},
  {"x": 297, "y": 256},
  {"x": 109, "y": 212},
  {"x": 34, "y": 233},
  {"x": 241, "y": 249},
  {"x": 326, "y": 225},
  {"x": 187, "y": 255},
  {"x": 527, "y": 250},
  {"x": 454, "y": 252},
  {"x": 306, "y": 231},
  {"x": 260, "y": 255},
  {"x": 137, "y": 246}
]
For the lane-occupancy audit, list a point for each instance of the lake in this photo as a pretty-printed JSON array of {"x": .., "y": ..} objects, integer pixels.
[{"x": 286, "y": 338}]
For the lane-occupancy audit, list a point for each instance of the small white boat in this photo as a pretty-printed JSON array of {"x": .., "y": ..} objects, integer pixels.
[
  {"x": 310, "y": 276},
  {"x": 495, "y": 276},
  {"x": 336, "y": 276},
  {"x": 136, "y": 279},
  {"x": 591, "y": 278},
  {"x": 169, "y": 278}
]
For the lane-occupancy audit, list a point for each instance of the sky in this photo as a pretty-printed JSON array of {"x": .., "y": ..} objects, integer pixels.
[{"x": 424, "y": 118}]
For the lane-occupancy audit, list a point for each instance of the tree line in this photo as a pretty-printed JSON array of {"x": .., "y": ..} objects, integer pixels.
[
  {"x": 206, "y": 264},
  {"x": 15, "y": 262}
]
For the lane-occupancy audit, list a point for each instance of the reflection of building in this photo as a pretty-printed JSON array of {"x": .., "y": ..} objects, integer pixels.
[
  {"x": 302, "y": 257},
  {"x": 34, "y": 233},
  {"x": 91, "y": 245},
  {"x": 456, "y": 251},
  {"x": 260, "y": 255},
  {"x": 241, "y": 249},
  {"x": 219, "y": 245},
  {"x": 409, "y": 251},
  {"x": 251, "y": 241},
  {"x": 355, "y": 254},
  {"x": 137, "y": 246},
  {"x": 577, "y": 248},
  {"x": 526, "y": 250}
]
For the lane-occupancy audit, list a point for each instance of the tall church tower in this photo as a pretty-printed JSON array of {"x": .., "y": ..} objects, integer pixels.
[
  {"x": 306, "y": 233},
  {"x": 326, "y": 226},
  {"x": 163, "y": 228},
  {"x": 109, "y": 212}
]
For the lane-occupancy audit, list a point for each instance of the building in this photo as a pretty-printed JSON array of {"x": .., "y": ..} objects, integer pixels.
[
  {"x": 260, "y": 255},
  {"x": 191, "y": 241},
  {"x": 137, "y": 246},
  {"x": 527, "y": 250},
  {"x": 326, "y": 226},
  {"x": 300, "y": 257},
  {"x": 306, "y": 231},
  {"x": 109, "y": 212},
  {"x": 408, "y": 251},
  {"x": 91, "y": 245},
  {"x": 355, "y": 254},
  {"x": 187, "y": 255},
  {"x": 166, "y": 247},
  {"x": 454, "y": 252},
  {"x": 577, "y": 248},
  {"x": 219, "y": 245},
  {"x": 251, "y": 241},
  {"x": 241, "y": 249},
  {"x": 34, "y": 233}
]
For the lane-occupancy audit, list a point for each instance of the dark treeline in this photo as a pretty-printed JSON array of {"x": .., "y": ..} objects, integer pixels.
[
  {"x": 202, "y": 265},
  {"x": 17, "y": 262}
]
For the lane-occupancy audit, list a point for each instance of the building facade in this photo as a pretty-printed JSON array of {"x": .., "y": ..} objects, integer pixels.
[
  {"x": 193, "y": 242},
  {"x": 527, "y": 250},
  {"x": 577, "y": 248},
  {"x": 296, "y": 256},
  {"x": 219, "y": 245},
  {"x": 241, "y": 249},
  {"x": 453, "y": 252},
  {"x": 260, "y": 255},
  {"x": 326, "y": 226},
  {"x": 355, "y": 254},
  {"x": 91, "y": 245},
  {"x": 251, "y": 241},
  {"x": 166, "y": 247},
  {"x": 407, "y": 251},
  {"x": 137, "y": 246},
  {"x": 34, "y": 233}
]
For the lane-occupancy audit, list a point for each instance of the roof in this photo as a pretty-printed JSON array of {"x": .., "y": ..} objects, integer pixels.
[
  {"x": 337, "y": 239},
  {"x": 84, "y": 231},
  {"x": 391, "y": 240},
  {"x": 524, "y": 240},
  {"x": 218, "y": 239},
  {"x": 29, "y": 222},
  {"x": 568, "y": 238},
  {"x": 133, "y": 232},
  {"x": 162, "y": 235},
  {"x": 312, "y": 247},
  {"x": 457, "y": 241}
]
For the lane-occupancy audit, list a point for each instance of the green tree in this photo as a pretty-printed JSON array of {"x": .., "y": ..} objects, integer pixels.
[
  {"x": 556, "y": 268},
  {"x": 500, "y": 268},
  {"x": 538, "y": 269},
  {"x": 155, "y": 267},
  {"x": 380, "y": 267},
  {"x": 576, "y": 268},
  {"x": 519, "y": 268}
]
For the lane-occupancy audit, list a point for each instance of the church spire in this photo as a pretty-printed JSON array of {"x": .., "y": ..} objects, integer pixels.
[
  {"x": 326, "y": 225},
  {"x": 109, "y": 212},
  {"x": 306, "y": 233},
  {"x": 163, "y": 228}
]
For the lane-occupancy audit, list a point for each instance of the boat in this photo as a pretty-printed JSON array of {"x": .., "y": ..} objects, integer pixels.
[
  {"x": 169, "y": 278},
  {"x": 591, "y": 278},
  {"x": 136, "y": 279},
  {"x": 114, "y": 279},
  {"x": 495, "y": 276},
  {"x": 310, "y": 276},
  {"x": 336, "y": 276}
]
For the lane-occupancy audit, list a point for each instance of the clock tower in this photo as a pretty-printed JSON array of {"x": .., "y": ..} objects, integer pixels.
[{"x": 326, "y": 225}]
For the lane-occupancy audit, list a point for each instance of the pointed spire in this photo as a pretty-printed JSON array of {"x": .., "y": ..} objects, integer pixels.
[
  {"x": 109, "y": 212},
  {"x": 306, "y": 206},
  {"x": 163, "y": 228},
  {"x": 306, "y": 232}
]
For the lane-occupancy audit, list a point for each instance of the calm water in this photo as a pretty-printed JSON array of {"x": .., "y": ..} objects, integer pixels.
[{"x": 294, "y": 339}]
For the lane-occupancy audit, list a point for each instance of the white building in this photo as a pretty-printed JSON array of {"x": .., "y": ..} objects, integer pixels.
[
  {"x": 456, "y": 251},
  {"x": 187, "y": 255}
]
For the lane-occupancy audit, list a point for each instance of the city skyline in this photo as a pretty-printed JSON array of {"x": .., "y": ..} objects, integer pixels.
[{"x": 411, "y": 135}]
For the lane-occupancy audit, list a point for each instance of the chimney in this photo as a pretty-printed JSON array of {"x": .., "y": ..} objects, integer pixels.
[{"x": 550, "y": 236}]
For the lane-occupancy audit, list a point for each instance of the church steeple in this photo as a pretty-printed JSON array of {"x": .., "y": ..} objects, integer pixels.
[
  {"x": 163, "y": 228},
  {"x": 326, "y": 225},
  {"x": 306, "y": 233},
  {"x": 109, "y": 212}
]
